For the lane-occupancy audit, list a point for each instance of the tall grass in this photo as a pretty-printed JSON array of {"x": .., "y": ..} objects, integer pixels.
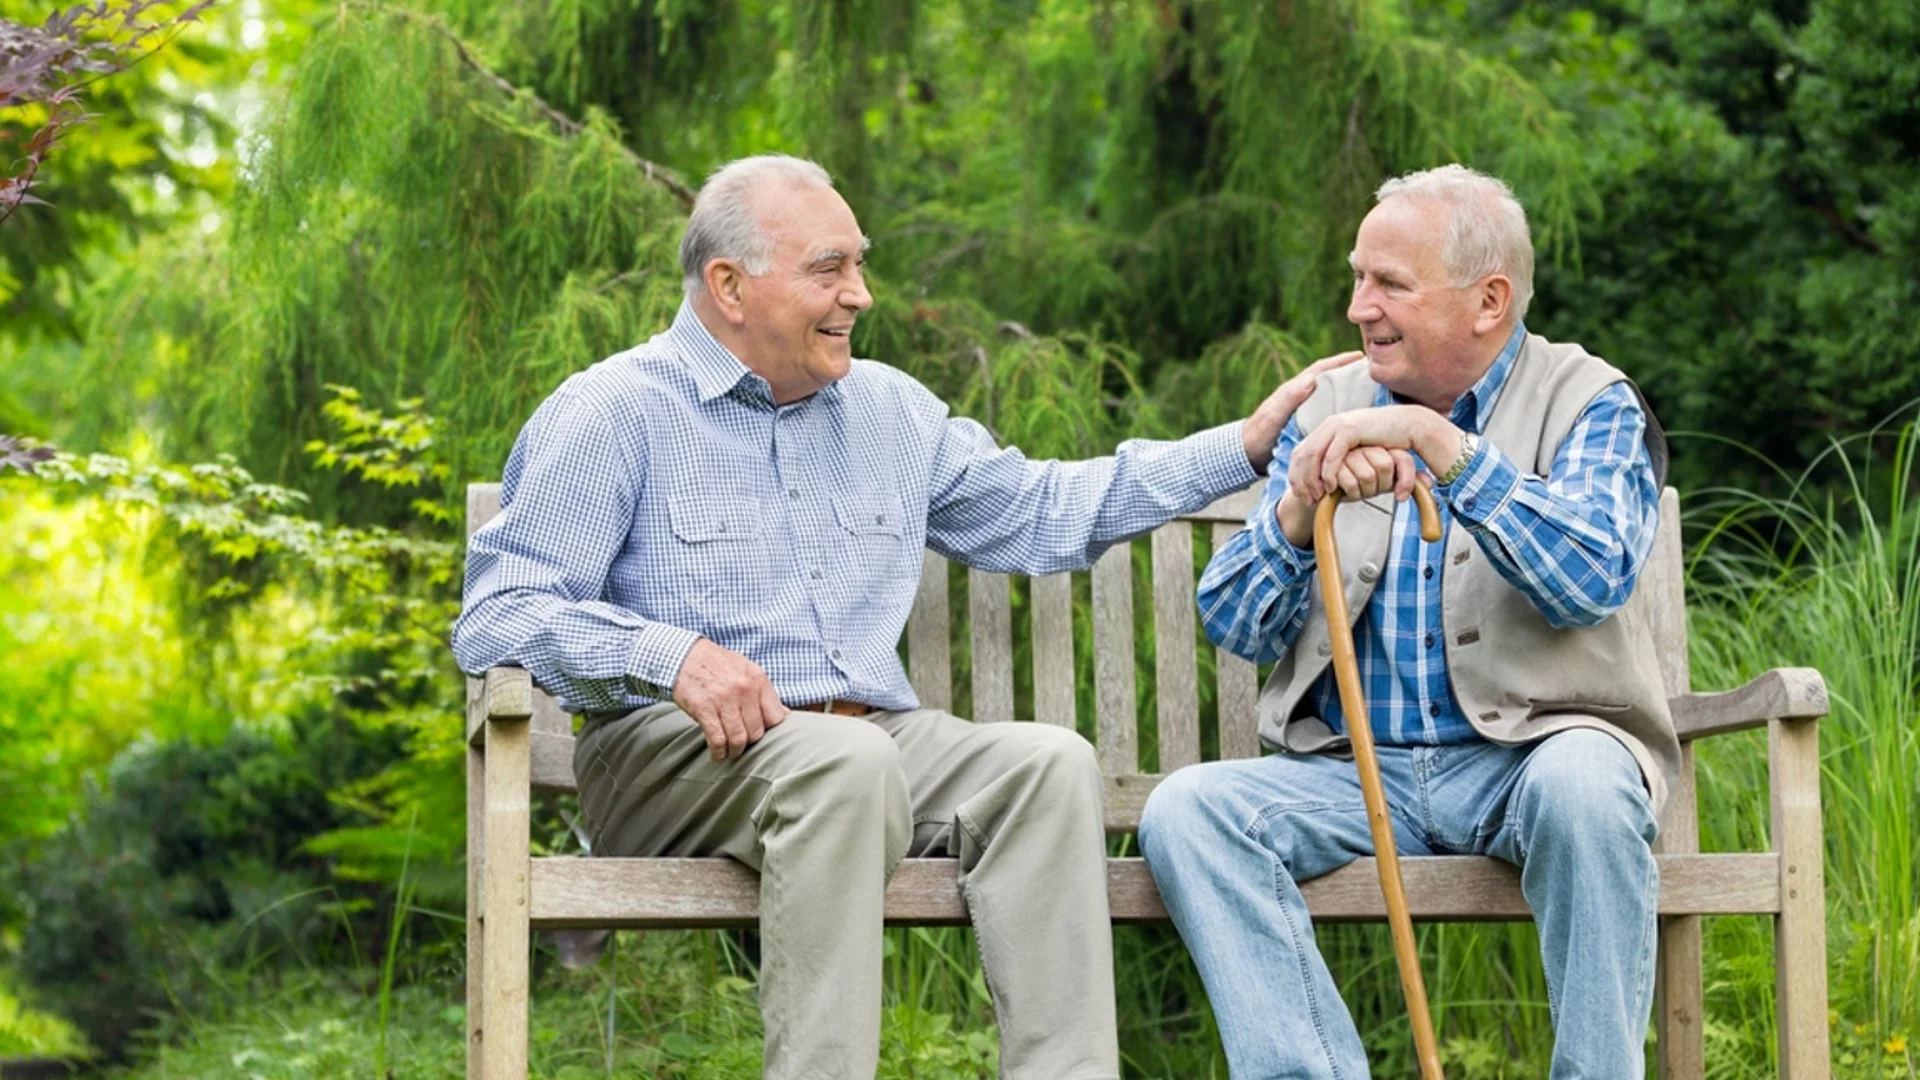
[{"x": 1826, "y": 579}]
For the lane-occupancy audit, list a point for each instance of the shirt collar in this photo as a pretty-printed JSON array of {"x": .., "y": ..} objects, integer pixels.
[
  {"x": 716, "y": 371},
  {"x": 1473, "y": 407}
]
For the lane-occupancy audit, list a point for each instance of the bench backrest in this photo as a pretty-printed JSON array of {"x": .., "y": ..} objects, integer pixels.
[{"x": 1168, "y": 630}]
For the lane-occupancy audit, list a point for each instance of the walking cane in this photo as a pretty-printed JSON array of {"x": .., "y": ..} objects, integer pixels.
[{"x": 1353, "y": 703}]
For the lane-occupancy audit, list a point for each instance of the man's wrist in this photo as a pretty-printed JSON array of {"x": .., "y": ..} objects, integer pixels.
[
  {"x": 1295, "y": 519},
  {"x": 1441, "y": 447}
]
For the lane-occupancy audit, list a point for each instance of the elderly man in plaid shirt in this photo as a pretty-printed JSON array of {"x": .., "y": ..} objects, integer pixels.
[
  {"x": 709, "y": 545},
  {"x": 1517, "y": 710}
]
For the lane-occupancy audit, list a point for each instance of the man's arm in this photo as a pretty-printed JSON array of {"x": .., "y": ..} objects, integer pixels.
[
  {"x": 1575, "y": 541},
  {"x": 1253, "y": 594},
  {"x": 535, "y": 573},
  {"x": 995, "y": 509}
]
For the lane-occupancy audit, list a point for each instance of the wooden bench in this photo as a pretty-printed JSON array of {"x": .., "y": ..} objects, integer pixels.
[{"x": 520, "y": 741}]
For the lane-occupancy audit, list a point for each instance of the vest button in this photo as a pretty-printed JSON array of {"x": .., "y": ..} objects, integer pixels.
[
  {"x": 1369, "y": 572},
  {"x": 1326, "y": 648}
]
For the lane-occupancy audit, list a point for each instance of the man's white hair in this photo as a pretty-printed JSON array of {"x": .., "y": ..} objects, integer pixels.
[
  {"x": 1487, "y": 232},
  {"x": 723, "y": 224}
]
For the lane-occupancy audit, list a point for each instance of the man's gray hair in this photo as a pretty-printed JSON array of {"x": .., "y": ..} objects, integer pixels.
[
  {"x": 724, "y": 225},
  {"x": 1487, "y": 233}
]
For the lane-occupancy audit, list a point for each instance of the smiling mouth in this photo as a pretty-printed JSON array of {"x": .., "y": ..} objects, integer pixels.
[
  {"x": 837, "y": 332},
  {"x": 1382, "y": 342}
]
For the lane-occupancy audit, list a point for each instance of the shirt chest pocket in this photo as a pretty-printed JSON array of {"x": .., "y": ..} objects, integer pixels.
[
  {"x": 718, "y": 561},
  {"x": 873, "y": 528},
  {"x": 704, "y": 521}
]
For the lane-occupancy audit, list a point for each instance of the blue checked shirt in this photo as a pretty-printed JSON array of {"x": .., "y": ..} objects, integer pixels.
[
  {"x": 1573, "y": 542},
  {"x": 660, "y": 496}
]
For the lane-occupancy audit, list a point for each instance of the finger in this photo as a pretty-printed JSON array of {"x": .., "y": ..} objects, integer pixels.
[
  {"x": 1349, "y": 483},
  {"x": 1304, "y": 480},
  {"x": 1405, "y": 474},
  {"x": 1338, "y": 360},
  {"x": 1339, "y": 443},
  {"x": 771, "y": 709},
  {"x": 734, "y": 727},
  {"x": 1380, "y": 465},
  {"x": 752, "y": 724},
  {"x": 716, "y": 733}
]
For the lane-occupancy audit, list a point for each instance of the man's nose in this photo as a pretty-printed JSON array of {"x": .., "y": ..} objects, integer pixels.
[
  {"x": 1362, "y": 308},
  {"x": 856, "y": 296}
]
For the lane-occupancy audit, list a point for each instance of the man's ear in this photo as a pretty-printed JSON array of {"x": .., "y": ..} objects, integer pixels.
[
  {"x": 1496, "y": 300},
  {"x": 727, "y": 286}
]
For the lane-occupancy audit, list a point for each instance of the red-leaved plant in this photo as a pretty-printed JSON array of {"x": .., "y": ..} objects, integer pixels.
[{"x": 52, "y": 64}]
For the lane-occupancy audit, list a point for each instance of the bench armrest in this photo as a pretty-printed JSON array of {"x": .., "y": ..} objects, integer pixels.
[
  {"x": 505, "y": 695},
  {"x": 1780, "y": 694}
]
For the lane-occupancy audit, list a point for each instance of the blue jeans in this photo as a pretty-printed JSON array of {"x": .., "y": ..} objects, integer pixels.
[{"x": 1228, "y": 840}]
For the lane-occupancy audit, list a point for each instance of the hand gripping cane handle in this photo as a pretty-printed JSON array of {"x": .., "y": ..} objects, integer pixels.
[{"x": 1353, "y": 704}]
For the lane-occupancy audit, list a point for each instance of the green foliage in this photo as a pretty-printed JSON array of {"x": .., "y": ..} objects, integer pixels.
[
  {"x": 183, "y": 868},
  {"x": 1759, "y": 209}
]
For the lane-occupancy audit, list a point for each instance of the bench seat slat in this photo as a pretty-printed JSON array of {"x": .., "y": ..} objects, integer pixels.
[{"x": 690, "y": 893}]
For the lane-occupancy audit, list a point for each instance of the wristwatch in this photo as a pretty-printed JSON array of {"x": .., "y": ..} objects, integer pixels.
[{"x": 1469, "y": 446}]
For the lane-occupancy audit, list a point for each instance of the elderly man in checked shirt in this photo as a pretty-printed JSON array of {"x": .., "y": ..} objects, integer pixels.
[
  {"x": 709, "y": 545},
  {"x": 1517, "y": 708}
]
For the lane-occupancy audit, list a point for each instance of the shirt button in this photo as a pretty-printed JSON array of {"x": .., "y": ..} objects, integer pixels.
[
  {"x": 835, "y": 654},
  {"x": 816, "y": 577},
  {"x": 880, "y": 519},
  {"x": 1429, "y": 641},
  {"x": 1467, "y": 503},
  {"x": 793, "y": 493},
  {"x": 1433, "y": 709},
  {"x": 1427, "y": 572}
]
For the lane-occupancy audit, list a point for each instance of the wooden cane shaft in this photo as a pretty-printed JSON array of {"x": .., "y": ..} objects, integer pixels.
[{"x": 1346, "y": 671}]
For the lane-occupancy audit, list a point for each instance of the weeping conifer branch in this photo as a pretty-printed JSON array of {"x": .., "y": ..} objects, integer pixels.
[{"x": 561, "y": 122}]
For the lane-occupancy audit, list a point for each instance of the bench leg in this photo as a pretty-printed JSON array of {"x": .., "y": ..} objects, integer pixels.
[
  {"x": 476, "y": 942},
  {"x": 504, "y": 928},
  {"x": 1800, "y": 932},
  {"x": 1680, "y": 1045}
]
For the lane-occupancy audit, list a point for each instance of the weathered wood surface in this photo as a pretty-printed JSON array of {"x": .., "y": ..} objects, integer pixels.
[
  {"x": 1115, "y": 711},
  {"x": 1679, "y": 990},
  {"x": 666, "y": 893},
  {"x": 505, "y": 889},
  {"x": 1800, "y": 933},
  {"x": 929, "y": 645},
  {"x": 1780, "y": 694},
  {"x": 1053, "y": 683},
  {"x": 1176, "y": 668},
  {"x": 990, "y": 623}
]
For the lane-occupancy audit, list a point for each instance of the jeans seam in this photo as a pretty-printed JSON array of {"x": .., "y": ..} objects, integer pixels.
[{"x": 1280, "y": 879}]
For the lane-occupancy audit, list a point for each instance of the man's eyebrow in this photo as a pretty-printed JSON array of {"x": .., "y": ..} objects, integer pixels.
[{"x": 835, "y": 254}]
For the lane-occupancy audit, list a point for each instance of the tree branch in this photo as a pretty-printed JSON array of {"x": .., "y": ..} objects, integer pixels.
[{"x": 561, "y": 122}]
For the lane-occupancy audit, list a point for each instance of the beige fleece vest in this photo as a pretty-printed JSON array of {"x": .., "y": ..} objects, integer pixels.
[{"x": 1518, "y": 678}]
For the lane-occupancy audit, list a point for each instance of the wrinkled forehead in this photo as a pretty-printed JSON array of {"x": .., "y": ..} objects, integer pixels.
[
  {"x": 1403, "y": 236},
  {"x": 808, "y": 223}
]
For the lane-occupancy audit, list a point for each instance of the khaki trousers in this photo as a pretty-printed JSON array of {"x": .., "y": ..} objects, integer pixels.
[{"x": 825, "y": 807}]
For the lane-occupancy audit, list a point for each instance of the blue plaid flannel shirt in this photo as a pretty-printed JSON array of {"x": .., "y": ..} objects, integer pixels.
[
  {"x": 1573, "y": 542},
  {"x": 660, "y": 496}
]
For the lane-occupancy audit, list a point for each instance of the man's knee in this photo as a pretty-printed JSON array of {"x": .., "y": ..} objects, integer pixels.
[
  {"x": 1585, "y": 785},
  {"x": 1181, "y": 806}
]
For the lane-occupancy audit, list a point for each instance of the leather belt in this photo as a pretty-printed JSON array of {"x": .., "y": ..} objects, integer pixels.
[{"x": 838, "y": 707}]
